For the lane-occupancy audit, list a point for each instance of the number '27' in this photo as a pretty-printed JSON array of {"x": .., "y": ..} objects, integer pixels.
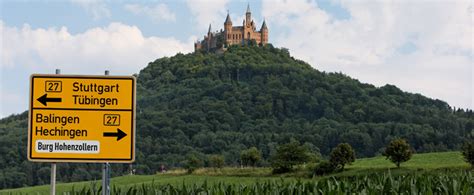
[
  {"x": 111, "y": 119},
  {"x": 53, "y": 86}
]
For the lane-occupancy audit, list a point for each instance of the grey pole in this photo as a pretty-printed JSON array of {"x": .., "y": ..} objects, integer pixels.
[
  {"x": 105, "y": 169},
  {"x": 53, "y": 165},
  {"x": 105, "y": 179},
  {"x": 53, "y": 179}
]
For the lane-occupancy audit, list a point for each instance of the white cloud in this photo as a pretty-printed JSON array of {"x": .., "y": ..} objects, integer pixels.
[
  {"x": 118, "y": 47},
  {"x": 158, "y": 13},
  {"x": 97, "y": 8},
  {"x": 207, "y": 12},
  {"x": 367, "y": 45},
  {"x": 11, "y": 101}
]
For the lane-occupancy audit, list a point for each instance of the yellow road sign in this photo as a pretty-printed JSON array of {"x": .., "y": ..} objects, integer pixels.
[{"x": 81, "y": 118}]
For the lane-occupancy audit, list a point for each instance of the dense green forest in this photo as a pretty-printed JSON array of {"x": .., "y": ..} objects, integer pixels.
[{"x": 204, "y": 103}]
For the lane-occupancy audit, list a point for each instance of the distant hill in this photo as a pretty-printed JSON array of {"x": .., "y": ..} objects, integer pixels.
[{"x": 206, "y": 103}]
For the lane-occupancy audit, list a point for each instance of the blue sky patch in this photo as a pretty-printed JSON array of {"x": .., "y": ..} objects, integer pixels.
[
  {"x": 407, "y": 48},
  {"x": 334, "y": 9}
]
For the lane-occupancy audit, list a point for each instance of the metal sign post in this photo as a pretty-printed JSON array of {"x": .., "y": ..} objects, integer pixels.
[
  {"x": 106, "y": 179},
  {"x": 53, "y": 179},
  {"x": 53, "y": 165},
  {"x": 105, "y": 170}
]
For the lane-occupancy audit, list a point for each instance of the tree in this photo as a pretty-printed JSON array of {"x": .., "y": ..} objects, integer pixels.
[
  {"x": 398, "y": 151},
  {"x": 220, "y": 42},
  {"x": 468, "y": 152},
  {"x": 341, "y": 155},
  {"x": 250, "y": 156},
  {"x": 287, "y": 156},
  {"x": 216, "y": 161},
  {"x": 192, "y": 163}
]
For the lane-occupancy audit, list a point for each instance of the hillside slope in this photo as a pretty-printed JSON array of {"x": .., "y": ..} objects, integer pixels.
[
  {"x": 263, "y": 97},
  {"x": 204, "y": 103}
]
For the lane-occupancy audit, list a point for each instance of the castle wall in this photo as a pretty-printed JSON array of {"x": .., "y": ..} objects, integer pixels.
[
  {"x": 233, "y": 35},
  {"x": 239, "y": 35}
]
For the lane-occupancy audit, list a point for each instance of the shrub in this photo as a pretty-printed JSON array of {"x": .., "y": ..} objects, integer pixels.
[
  {"x": 216, "y": 161},
  {"x": 250, "y": 157},
  {"x": 192, "y": 163},
  {"x": 468, "y": 152},
  {"x": 323, "y": 168}
]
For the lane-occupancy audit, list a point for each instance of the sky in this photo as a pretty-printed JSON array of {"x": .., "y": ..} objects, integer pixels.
[{"x": 421, "y": 46}]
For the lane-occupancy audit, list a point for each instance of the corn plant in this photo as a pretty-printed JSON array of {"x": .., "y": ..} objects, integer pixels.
[{"x": 461, "y": 183}]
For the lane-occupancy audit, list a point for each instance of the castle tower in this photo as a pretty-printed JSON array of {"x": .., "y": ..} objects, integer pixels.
[
  {"x": 227, "y": 29},
  {"x": 247, "y": 36},
  {"x": 264, "y": 33},
  {"x": 248, "y": 15},
  {"x": 209, "y": 38},
  {"x": 209, "y": 31}
]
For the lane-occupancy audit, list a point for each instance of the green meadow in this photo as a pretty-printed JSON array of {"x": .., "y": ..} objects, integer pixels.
[{"x": 431, "y": 168}]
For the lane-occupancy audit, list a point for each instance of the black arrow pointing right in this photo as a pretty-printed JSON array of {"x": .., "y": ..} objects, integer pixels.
[
  {"x": 119, "y": 134},
  {"x": 45, "y": 99}
]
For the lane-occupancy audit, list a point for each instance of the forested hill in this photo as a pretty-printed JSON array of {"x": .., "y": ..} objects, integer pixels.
[
  {"x": 253, "y": 96},
  {"x": 205, "y": 103}
]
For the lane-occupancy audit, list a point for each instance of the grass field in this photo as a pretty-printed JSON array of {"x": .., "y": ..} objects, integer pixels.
[
  {"x": 439, "y": 163},
  {"x": 422, "y": 161},
  {"x": 419, "y": 162}
]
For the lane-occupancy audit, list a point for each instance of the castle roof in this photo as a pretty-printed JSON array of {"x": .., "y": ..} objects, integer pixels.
[
  {"x": 227, "y": 20},
  {"x": 264, "y": 25}
]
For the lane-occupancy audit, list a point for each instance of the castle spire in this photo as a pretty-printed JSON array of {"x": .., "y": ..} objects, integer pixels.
[
  {"x": 209, "y": 28},
  {"x": 264, "y": 25},
  {"x": 227, "y": 19},
  {"x": 248, "y": 16}
]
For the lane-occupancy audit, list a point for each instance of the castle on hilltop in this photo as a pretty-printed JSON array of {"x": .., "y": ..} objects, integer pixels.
[{"x": 233, "y": 35}]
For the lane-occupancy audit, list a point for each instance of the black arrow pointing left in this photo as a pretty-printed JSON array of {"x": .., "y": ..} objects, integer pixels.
[{"x": 45, "y": 99}]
